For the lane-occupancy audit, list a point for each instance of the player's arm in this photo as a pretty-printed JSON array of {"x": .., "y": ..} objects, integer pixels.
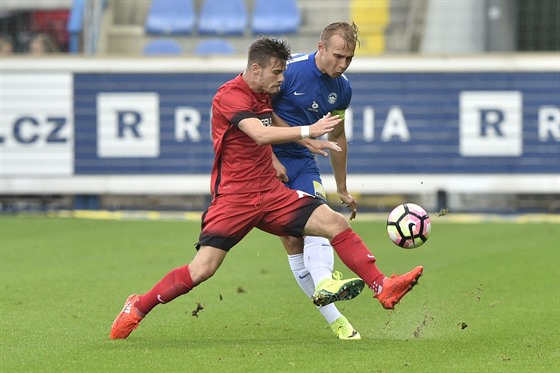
[
  {"x": 265, "y": 135},
  {"x": 281, "y": 171},
  {"x": 315, "y": 146},
  {"x": 339, "y": 165}
]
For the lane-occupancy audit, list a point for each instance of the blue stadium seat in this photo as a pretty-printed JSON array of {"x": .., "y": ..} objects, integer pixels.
[
  {"x": 275, "y": 17},
  {"x": 162, "y": 47},
  {"x": 213, "y": 47},
  {"x": 167, "y": 17},
  {"x": 218, "y": 17}
]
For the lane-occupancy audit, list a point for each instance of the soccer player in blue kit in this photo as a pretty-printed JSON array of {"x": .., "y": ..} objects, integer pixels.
[{"x": 314, "y": 85}]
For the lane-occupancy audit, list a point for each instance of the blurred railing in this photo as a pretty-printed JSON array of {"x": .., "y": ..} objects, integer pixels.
[{"x": 84, "y": 25}]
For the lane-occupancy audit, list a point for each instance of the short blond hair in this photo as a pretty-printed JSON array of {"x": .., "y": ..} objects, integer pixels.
[{"x": 348, "y": 32}]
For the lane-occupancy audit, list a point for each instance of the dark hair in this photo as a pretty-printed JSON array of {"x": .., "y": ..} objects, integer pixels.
[
  {"x": 265, "y": 48},
  {"x": 348, "y": 32}
]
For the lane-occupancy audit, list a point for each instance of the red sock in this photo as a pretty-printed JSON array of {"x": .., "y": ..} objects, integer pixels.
[
  {"x": 175, "y": 283},
  {"x": 354, "y": 253}
]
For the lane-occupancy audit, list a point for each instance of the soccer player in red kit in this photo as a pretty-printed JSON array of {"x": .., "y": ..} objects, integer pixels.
[{"x": 246, "y": 195}]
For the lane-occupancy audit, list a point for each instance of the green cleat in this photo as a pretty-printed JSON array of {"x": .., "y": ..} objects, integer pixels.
[
  {"x": 335, "y": 289},
  {"x": 343, "y": 329}
]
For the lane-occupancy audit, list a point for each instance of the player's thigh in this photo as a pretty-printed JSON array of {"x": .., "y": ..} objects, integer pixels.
[
  {"x": 286, "y": 211},
  {"x": 325, "y": 222},
  {"x": 227, "y": 221}
]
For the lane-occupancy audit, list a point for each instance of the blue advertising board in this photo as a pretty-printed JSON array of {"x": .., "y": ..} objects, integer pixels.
[{"x": 415, "y": 123}]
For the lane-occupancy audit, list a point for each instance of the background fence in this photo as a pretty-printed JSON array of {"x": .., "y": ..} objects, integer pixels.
[
  {"x": 456, "y": 104},
  {"x": 418, "y": 126}
]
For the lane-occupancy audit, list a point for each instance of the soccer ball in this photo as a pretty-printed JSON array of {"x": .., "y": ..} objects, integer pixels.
[{"x": 408, "y": 226}]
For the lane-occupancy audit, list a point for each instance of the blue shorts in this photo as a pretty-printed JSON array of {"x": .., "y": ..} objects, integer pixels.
[{"x": 303, "y": 175}]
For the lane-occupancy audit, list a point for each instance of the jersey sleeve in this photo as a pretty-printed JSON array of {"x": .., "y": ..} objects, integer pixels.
[{"x": 235, "y": 106}]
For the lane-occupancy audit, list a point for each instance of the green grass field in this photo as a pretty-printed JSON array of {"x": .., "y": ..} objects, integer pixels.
[{"x": 488, "y": 302}]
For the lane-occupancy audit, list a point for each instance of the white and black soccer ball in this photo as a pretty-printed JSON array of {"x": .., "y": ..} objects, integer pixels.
[{"x": 408, "y": 226}]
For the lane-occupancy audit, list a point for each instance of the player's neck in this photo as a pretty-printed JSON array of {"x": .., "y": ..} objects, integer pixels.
[
  {"x": 318, "y": 63},
  {"x": 251, "y": 82}
]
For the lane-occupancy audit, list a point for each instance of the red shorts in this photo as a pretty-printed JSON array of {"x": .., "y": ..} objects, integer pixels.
[{"x": 279, "y": 211}]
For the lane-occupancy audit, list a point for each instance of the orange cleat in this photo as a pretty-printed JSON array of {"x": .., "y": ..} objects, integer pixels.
[
  {"x": 396, "y": 287},
  {"x": 127, "y": 320}
]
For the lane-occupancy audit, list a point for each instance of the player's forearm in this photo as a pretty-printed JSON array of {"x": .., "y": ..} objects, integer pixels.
[
  {"x": 339, "y": 167},
  {"x": 277, "y": 121},
  {"x": 339, "y": 161},
  {"x": 279, "y": 135},
  {"x": 265, "y": 135},
  {"x": 282, "y": 135}
]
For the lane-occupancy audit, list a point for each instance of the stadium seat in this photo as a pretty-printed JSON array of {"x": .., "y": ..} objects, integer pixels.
[
  {"x": 218, "y": 17},
  {"x": 213, "y": 47},
  {"x": 275, "y": 17},
  {"x": 162, "y": 47},
  {"x": 166, "y": 17}
]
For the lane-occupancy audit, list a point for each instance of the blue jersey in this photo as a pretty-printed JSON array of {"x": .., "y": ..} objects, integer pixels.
[{"x": 305, "y": 97}]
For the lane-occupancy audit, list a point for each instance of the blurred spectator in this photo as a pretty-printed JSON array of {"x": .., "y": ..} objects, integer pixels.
[
  {"x": 43, "y": 44},
  {"x": 6, "y": 45}
]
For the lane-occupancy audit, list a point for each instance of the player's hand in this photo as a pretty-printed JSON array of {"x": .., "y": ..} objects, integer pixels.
[
  {"x": 318, "y": 146},
  {"x": 324, "y": 125},
  {"x": 348, "y": 200},
  {"x": 281, "y": 172}
]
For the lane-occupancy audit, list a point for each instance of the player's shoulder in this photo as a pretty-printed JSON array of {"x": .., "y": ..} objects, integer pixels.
[
  {"x": 298, "y": 68},
  {"x": 233, "y": 91},
  {"x": 297, "y": 59},
  {"x": 237, "y": 85},
  {"x": 230, "y": 84}
]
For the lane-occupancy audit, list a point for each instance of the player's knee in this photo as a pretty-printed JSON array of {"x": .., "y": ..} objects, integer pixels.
[
  {"x": 340, "y": 223},
  {"x": 205, "y": 263},
  {"x": 201, "y": 274},
  {"x": 335, "y": 223},
  {"x": 326, "y": 223}
]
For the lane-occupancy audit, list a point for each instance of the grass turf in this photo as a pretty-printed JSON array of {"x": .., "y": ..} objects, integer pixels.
[{"x": 488, "y": 301}]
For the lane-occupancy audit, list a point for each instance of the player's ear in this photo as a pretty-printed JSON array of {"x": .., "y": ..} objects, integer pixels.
[{"x": 255, "y": 68}]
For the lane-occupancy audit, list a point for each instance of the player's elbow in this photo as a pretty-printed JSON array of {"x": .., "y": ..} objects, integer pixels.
[{"x": 261, "y": 140}]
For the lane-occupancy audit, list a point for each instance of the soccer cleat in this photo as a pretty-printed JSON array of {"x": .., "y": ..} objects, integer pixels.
[
  {"x": 335, "y": 289},
  {"x": 127, "y": 320},
  {"x": 343, "y": 329},
  {"x": 396, "y": 287}
]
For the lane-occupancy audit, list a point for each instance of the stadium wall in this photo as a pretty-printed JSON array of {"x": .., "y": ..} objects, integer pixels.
[{"x": 417, "y": 125}]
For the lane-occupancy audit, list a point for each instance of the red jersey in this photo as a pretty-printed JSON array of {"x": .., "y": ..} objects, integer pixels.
[{"x": 240, "y": 165}]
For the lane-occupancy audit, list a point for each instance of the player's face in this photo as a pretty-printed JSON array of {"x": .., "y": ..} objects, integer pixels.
[
  {"x": 271, "y": 77},
  {"x": 335, "y": 56}
]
